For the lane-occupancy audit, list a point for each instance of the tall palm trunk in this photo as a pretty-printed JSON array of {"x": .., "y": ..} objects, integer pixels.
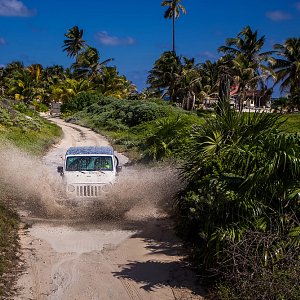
[{"x": 173, "y": 38}]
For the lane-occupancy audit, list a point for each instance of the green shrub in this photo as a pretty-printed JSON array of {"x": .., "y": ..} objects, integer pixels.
[
  {"x": 152, "y": 127},
  {"x": 39, "y": 106},
  {"x": 240, "y": 208},
  {"x": 167, "y": 137},
  {"x": 79, "y": 102},
  {"x": 19, "y": 115},
  {"x": 128, "y": 112},
  {"x": 24, "y": 128}
]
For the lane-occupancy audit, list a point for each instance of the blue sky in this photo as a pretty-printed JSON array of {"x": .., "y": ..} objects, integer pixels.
[{"x": 135, "y": 33}]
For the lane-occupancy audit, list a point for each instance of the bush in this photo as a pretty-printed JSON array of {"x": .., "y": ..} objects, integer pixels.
[
  {"x": 242, "y": 177},
  {"x": 152, "y": 127},
  {"x": 79, "y": 102},
  {"x": 19, "y": 115},
  {"x": 39, "y": 106},
  {"x": 167, "y": 137},
  {"x": 247, "y": 275},
  {"x": 128, "y": 112}
]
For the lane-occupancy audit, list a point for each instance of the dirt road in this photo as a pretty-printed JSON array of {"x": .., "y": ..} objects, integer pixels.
[{"x": 124, "y": 249}]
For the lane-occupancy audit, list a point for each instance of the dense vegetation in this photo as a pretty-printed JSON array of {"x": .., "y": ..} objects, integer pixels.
[
  {"x": 239, "y": 212},
  {"x": 22, "y": 127},
  {"x": 151, "y": 129},
  {"x": 251, "y": 74},
  {"x": 240, "y": 208}
]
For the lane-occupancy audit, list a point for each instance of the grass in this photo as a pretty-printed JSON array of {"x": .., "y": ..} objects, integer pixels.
[
  {"x": 34, "y": 135},
  {"x": 9, "y": 223},
  {"x": 35, "y": 142},
  {"x": 292, "y": 123}
]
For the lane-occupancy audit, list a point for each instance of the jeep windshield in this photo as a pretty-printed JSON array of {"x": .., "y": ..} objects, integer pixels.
[{"x": 89, "y": 163}]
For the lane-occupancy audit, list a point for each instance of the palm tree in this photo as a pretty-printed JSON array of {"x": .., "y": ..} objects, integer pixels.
[
  {"x": 189, "y": 84},
  {"x": 21, "y": 87},
  {"x": 245, "y": 52},
  {"x": 110, "y": 83},
  {"x": 88, "y": 62},
  {"x": 173, "y": 12},
  {"x": 75, "y": 43},
  {"x": 210, "y": 73},
  {"x": 69, "y": 88},
  {"x": 35, "y": 70},
  {"x": 246, "y": 77},
  {"x": 163, "y": 76},
  {"x": 287, "y": 66}
]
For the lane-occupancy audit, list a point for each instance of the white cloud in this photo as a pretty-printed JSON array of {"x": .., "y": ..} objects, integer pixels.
[
  {"x": 14, "y": 8},
  {"x": 207, "y": 54},
  {"x": 278, "y": 15},
  {"x": 104, "y": 38},
  {"x": 2, "y": 41}
]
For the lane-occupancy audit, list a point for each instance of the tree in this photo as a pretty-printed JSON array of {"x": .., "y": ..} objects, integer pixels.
[
  {"x": 110, "y": 83},
  {"x": 88, "y": 63},
  {"x": 164, "y": 75},
  {"x": 287, "y": 66},
  {"x": 21, "y": 86},
  {"x": 69, "y": 88},
  {"x": 74, "y": 42},
  {"x": 245, "y": 75},
  {"x": 173, "y": 12},
  {"x": 189, "y": 84},
  {"x": 210, "y": 74},
  {"x": 247, "y": 59},
  {"x": 35, "y": 71}
]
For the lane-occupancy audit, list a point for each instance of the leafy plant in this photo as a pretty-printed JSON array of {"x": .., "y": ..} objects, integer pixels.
[
  {"x": 167, "y": 137},
  {"x": 242, "y": 175},
  {"x": 79, "y": 102}
]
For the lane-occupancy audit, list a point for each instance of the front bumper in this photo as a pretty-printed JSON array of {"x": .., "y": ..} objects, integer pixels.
[{"x": 88, "y": 190}]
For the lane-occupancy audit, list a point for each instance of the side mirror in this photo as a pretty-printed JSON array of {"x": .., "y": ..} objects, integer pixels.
[
  {"x": 60, "y": 170},
  {"x": 119, "y": 169}
]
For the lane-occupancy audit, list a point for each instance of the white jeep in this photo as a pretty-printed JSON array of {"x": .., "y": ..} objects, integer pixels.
[{"x": 89, "y": 171}]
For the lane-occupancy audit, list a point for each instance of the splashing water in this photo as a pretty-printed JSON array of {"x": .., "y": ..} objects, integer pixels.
[{"x": 34, "y": 187}]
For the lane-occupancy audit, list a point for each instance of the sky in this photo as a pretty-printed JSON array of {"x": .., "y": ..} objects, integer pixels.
[{"x": 134, "y": 33}]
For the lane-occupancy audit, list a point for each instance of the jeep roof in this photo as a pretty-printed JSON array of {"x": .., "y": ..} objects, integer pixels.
[{"x": 104, "y": 150}]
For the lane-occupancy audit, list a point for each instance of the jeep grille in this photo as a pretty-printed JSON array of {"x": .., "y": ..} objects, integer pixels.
[{"x": 88, "y": 190}]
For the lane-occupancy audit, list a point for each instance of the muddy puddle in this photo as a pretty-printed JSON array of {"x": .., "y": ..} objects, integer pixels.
[{"x": 38, "y": 192}]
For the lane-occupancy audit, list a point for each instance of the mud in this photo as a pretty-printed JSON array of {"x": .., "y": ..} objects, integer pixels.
[{"x": 38, "y": 191}]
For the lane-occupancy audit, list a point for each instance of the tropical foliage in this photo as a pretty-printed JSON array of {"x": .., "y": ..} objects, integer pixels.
[
  {"x": 246, "y": 60},
  {"x": 176, "y": 78},
  {"x": 240, "y": 207},
  {"x": 242, "y": 177},
  {"x": 287, "y": 69},
  {"x": 39, "y": 86},
  {"x": 74, "y": 42}
]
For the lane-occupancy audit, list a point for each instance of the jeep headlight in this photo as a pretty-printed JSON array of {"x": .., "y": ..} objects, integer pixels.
[
  {"x": 71, "y": 188},
  {"x": 106, "y": 188}
]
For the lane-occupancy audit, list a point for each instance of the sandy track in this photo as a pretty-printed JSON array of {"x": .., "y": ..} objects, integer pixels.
[{"x": 84, "y": 256}]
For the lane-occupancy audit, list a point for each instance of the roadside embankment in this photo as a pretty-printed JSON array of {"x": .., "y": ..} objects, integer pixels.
[{"x": 25, "y": 130}]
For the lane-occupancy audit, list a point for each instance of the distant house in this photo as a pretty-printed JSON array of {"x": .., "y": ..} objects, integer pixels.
[{"x": 254, "y": 98}]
